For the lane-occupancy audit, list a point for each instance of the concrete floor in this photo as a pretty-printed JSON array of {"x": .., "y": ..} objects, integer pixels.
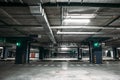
[{"x": 60, "y": 71}]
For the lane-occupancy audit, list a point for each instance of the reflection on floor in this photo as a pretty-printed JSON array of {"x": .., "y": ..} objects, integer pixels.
[
  {"x": 60, "y": 59},
  {"x": 67, "y": 70},
  {"x": 84, "y": 58}
]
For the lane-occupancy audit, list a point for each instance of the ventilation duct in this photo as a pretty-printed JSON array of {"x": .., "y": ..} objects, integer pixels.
[
  {"x": 36, "y": 10},
  {"x": 40, "y": 15}
]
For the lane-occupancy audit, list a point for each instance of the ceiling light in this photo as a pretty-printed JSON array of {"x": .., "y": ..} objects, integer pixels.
[
  {"x": 82, "y": 33},
  {"x": 1, "y": 47},
  {"x": 118, "y": 48},
  {"x": 76, "y": 20},
  {"x": 64, "y": 48},
  {"x": 86, "y": 49},
  {"x": 78, "y": 17}
]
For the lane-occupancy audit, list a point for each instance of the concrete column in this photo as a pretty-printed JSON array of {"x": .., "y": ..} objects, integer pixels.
[
  {"x": 22, "y": 53},
  {"x": 28, "y": 52},
  {"x": 118, "y": 54},
  {"x": 46, "y": 53},
  {"x": 78, "y": 55},
  {"x": 90, "y": 53},
  {"x": 81, "y": 53},
  {"x": 97, "y": 54},
  {"x": 115, "y": 53},
  {"x": 5, "y": 52},
  {"x": 41, "y": 53}
]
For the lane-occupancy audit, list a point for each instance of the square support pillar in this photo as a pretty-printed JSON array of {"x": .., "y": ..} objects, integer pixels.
[
  {"x": 5, "y": 52},
  {"x": 22, "y": 52},
  {"x": 96, "y": 54},
  {"x": 90, "y": 53},
  {"x": 115, "y": 53},
  {"x": 41, "y": 53},
  {"x": 78, "y": 53}
]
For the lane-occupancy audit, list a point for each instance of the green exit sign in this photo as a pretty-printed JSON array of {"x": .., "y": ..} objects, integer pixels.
[
  {"x": 18, "y": 44},
  {"x": 96, "y": 44}
]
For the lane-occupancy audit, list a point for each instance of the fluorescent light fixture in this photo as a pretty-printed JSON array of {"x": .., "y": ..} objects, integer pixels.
[
  {"x": 86, "y": 49},
  {"x": 82, "y": 33},
  {"x": 76, "y": 20},
  {"x": 78, "y": 16},
  {"x": 64, "y": 48},
  {"x": 1, "y": 47},
  {"x": 118, "y": 48},
  {"x": 106, "y": 51}
]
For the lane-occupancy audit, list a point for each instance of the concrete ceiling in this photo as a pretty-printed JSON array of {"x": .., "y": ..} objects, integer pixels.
[{"x": 20, "y": 21}]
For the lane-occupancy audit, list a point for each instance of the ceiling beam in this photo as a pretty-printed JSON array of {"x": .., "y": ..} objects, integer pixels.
[
  {"x": 12, "y": 4},
  {"x": 81, "y": 33},
  {"x": 60, "y": 27},
  {"x": 114, "y": 19},
  {"x": 21, "y": 26},
  {"x": 49, "y": 30},
  {"x": 110, "y": 22},
  {"x": 117, "y": 44},
  {"x": 49, "y": 4},
  {"x": 14, "y": 20},
  {"x": 84, "y": 27},
  {"x": 43, "y": 17}
]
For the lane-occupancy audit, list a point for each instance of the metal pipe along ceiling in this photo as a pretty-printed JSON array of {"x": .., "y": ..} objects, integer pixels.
[{"x": 83, "y": 27}]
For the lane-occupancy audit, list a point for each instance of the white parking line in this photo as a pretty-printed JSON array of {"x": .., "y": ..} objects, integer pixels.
[
  {"x": 72, "y": 65},
  {"x": 39, "y": 65},
  {"x": 64, "y": 65},
  {"x": 84, "y": 65},
  {"x": 33, "y": 65},
  {"x": 26, "y": 65},
  {"x": 52, "y": 65},
  {"x": 77, "y": 64},
  {"x": 58, "y": 65},
  {"x": 97, "y": 65},
  {"x": 46, "y": 65},
  {"x": 90, "y": 64}
]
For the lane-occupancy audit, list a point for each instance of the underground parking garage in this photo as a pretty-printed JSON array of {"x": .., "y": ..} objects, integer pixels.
[{"x": 59, "y": 40}]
